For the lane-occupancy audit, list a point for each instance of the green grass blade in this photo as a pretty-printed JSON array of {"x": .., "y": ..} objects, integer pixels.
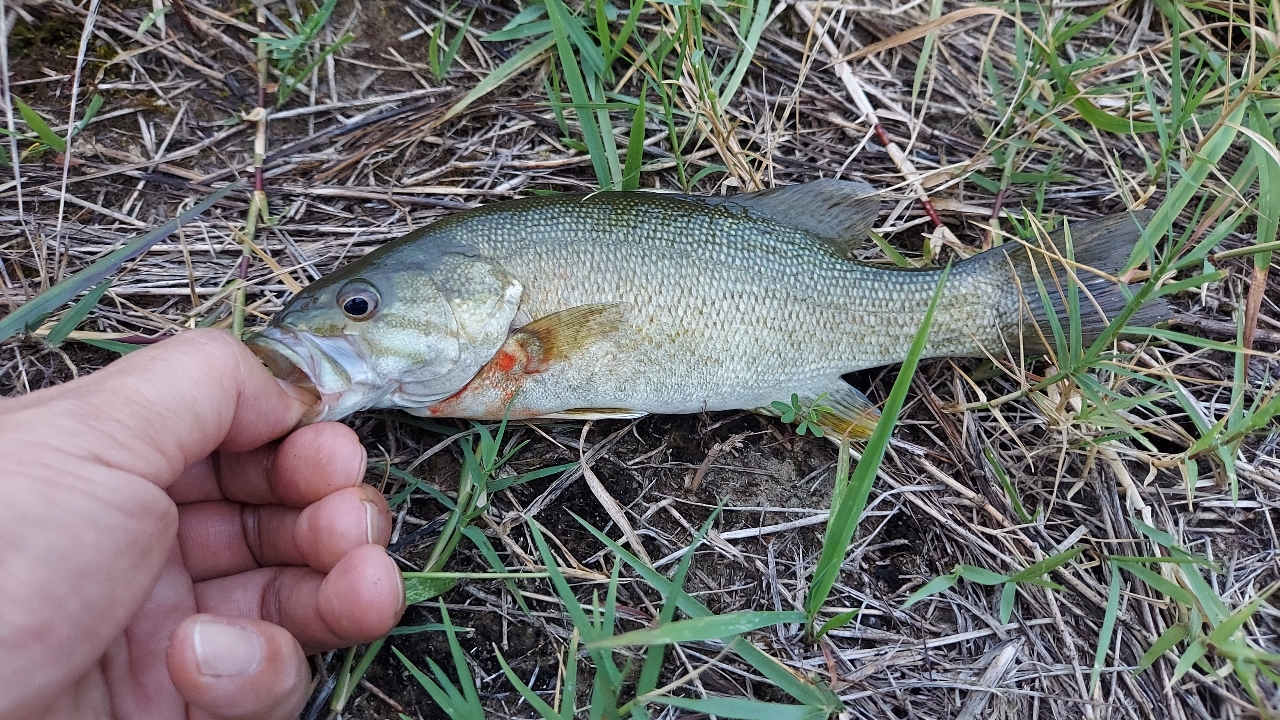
[
  {"x": 1107, "y": 122},
  {"x": 847, "y": 510},
  {"x": 446, "y": 695},
  {"x": 836, "y": 623},
  {"x": 1191, "y": 560},
  {"x": 1268, "y": 161},
  {"x": 1009, "y": 491},
  {"x": 1192, "y": 340},
  {"x": 538, "y": 704},
  {"x": 49, "y": 300},
  {"x": 1108, "y": 627},
  {"x": 451, "y": 52},
  {"x": 513, "y": 66},
  {"x": 714, "y": 627},
  {"x": 113, "y": 346},
  {"x": 418, "y": 589},
  {"x": 624, "y": 34},
  {"x": 652, "y": 667},
  {"x": 78, "y": 313},
  {"x": 1233, "y": 622},
  {"x": 290, "y": 80},
  {"x": 349, "y": 677},
  {"x": 150, "y": 20},
  {"x": 1194, "y": 653},
  {"x": 797, "y": 687},
  {"x": 759, "y": 10},
  {"x": 926, "y": 53},
  {"x": 1046, "y": 566},
  {"x": 95, "y": 104},
  {"x": 942, "y": 583},
  {"x": 1008, "y": 594},
  {"x": 569, "y": 697},
  {"x": 744, "y": 708},
  {"x": 511, "y": 481},
  {"x": 591, "y": 132},
  {"x": 460, "y": 665},
  {"x": 1159, "y": 583},
  {"x": 607, "y": 139},
  {"x": 516, "y": 32},
  {"x": 1212, "y": 150},
  {"x": 426, "y": 627},
  {"x": 477, "y": 538},
  {"x": 571, "y": 604},
  {"x": 982, "y": 576},
  {"x": 1163, "y": 644},
  {"x": 38, "y": 126},
  {"x": 635, "y": 148},
  {"x": 890, "y": 251}
]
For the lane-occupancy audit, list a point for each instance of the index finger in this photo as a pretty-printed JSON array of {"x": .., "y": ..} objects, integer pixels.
[{"x": 161, "y": 409}]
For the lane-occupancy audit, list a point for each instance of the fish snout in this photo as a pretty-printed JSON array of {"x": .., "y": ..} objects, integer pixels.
[{"x": 329, "y": 368}]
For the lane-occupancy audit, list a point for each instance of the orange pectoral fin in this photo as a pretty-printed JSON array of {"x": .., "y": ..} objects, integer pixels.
[{"x": 562, "y": 334}]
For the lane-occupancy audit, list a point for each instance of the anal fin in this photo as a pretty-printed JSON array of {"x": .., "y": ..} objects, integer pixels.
[{"x": 842, "y": 411}]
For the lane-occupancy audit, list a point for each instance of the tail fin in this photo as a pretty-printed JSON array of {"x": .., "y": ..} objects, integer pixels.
[{"x": 1047, "y": 280}]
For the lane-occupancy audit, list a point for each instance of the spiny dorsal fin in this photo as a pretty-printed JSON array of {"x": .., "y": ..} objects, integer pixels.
[
  {"x": 561, "y": 334},
  {"x": 840, "y": 212}
]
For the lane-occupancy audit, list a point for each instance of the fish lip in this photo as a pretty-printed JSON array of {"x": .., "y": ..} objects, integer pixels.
[
  {"x": 294, "y": 358},
  {"x": 281, "y": 360}
]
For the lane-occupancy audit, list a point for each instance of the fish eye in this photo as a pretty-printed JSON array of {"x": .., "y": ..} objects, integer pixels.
[{"x": 358, "y": 300}]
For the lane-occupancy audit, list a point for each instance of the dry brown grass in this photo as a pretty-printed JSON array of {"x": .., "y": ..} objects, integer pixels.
[{"x": 358, "y": 157}]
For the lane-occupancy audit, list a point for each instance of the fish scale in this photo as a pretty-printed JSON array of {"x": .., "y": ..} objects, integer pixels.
[{"x": 618, "y": 304}]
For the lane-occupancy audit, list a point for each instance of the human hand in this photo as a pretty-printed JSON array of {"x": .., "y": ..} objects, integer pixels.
[{"x": 162, "y": 557}]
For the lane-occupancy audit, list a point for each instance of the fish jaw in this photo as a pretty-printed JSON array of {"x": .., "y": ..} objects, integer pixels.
[{"x": 330, "y": 367}]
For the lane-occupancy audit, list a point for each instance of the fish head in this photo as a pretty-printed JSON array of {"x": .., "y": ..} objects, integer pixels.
[{"x": 391, "y": 331}]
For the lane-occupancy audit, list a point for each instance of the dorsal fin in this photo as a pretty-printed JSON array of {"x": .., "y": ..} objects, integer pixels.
[{"x": 839, "y": 212}]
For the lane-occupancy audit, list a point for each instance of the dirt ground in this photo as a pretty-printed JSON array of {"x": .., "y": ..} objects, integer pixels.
[{"x": 358, "y": 156}]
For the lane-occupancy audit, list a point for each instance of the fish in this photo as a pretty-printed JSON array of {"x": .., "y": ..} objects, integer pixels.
[{"x": 621, "y": 304}]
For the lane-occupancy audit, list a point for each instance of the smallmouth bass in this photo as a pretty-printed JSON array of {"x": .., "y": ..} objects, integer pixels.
[{"x": 619, "y": 304}]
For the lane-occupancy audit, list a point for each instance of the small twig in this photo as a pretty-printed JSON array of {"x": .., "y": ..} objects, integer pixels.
[
  {"x": 611, "y": 506},
  {"x": 381, "y": 695}
]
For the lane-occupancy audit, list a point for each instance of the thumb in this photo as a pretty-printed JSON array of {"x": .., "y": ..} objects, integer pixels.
[{"x": 238, "y": 668}]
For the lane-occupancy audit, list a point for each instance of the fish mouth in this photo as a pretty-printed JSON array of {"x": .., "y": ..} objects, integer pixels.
[
  {"x": 298, "y": 359},
  {"x": 282, "y": 362}
]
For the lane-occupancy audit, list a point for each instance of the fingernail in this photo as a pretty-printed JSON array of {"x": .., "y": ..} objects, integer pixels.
[
  {"x": 372, "y": 521},
  {"x": 404, "y": 597},
  {"x": 364, "y": 463},
  {"x": 224, "y": 650},
  {"x": 302, "y": 395}
]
